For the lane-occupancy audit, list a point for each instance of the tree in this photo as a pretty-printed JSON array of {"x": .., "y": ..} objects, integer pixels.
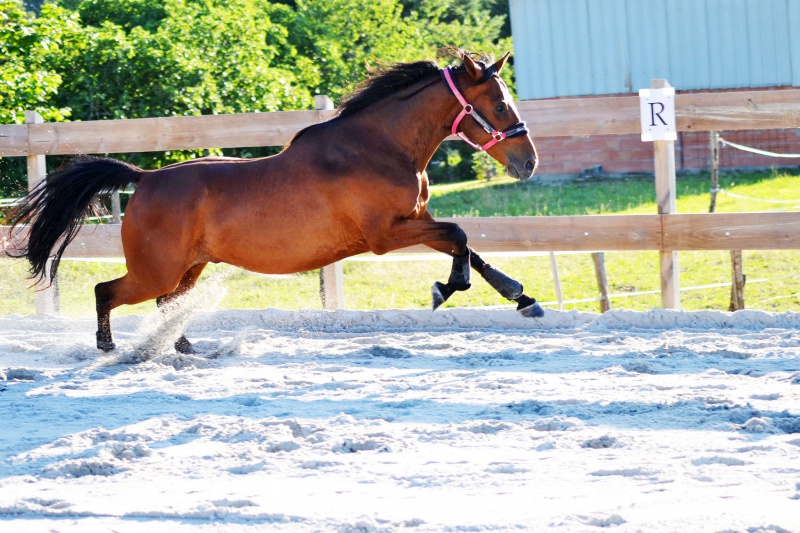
[
  {"x": 27, "y": 80},
  {"x": 129, "y": 14},
  {"x": 177, "y": 58},
  {"x": 335, "y": 39}
]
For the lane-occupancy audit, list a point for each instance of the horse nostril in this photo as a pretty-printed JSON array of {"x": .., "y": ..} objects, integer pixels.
[{"x": 529, "y": 166}]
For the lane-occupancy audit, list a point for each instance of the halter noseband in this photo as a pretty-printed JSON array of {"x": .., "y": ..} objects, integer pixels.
[{"x": 517, "y": 129}]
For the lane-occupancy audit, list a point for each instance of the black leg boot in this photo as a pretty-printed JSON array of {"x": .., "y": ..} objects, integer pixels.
[
  {"x": 507, "y": 287},
  {"x": 458, "y": 281}
]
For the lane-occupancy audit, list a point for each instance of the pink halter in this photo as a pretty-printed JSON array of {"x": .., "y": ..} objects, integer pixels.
[{"x": 467, "y": 109}]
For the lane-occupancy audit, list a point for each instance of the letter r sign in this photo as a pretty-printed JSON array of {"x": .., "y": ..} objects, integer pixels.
[{"x": 657, "y": 109}]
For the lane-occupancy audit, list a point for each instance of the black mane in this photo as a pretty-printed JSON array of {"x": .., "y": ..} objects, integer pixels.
[{"x": 384, "y": 82}]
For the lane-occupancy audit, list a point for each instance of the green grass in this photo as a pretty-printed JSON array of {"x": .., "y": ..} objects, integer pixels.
[
  {"x": 634, "y": 195},
  {"x": 406, "y": 284}
]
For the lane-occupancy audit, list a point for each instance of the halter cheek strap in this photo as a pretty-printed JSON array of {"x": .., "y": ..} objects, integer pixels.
[{"x": 467, "y": 109}]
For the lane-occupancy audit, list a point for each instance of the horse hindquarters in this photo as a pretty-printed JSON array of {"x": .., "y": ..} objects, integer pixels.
[{"x": 161, "y": 234}]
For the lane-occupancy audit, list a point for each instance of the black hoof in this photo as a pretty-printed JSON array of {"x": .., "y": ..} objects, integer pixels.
[
  {"x": 528, "y": 307},
  {"x": 440, "y": 293},
  {"x": 183, "y": 346},
  {"x": 106, "y": 346},
  {"x": 104, "y": 342}
]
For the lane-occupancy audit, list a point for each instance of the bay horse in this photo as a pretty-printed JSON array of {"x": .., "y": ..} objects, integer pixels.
[{"x": 356, "y": 183}]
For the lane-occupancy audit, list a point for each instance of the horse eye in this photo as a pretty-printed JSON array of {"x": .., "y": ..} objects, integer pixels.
[{"x": 500, "y": 108}]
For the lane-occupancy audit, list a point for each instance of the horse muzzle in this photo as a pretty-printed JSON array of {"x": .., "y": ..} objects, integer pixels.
[{"x": 522, "y": 170}]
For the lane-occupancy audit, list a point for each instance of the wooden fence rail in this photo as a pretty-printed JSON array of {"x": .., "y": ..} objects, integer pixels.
[
  {"x": 666, "y": 232},
  {"x": 617, "y": 115},
  {"x": 669, "y": 233}
]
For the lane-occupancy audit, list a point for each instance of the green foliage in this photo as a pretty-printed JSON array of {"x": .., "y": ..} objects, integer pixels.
[
  {"x": 334, "y": 40},
  {"x": 27, "y": 80},
  {"x": 486, "y": 167},
  {"x": 177, "y": 58},
  {"x": 142, "y": 58},
  {"x": 129, "y": 14}
]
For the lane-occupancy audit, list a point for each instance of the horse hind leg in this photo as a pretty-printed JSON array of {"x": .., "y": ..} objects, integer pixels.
[
  {"x": 104, "y": 303},
  {"x": 189, "y": 279},
  {"x": 111, "y": 294},
  {"x": 133, "y": 289}
]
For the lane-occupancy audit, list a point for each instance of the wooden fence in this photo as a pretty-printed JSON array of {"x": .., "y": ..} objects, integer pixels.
[{"x": 667, "y": 231}]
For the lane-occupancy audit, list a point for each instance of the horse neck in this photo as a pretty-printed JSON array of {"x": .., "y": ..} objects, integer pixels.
[{"x": 417, "y": 119}]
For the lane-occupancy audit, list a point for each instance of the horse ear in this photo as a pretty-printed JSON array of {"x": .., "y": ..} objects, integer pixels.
[
  {"x": 500, "y": 64},
  {"x": 473, "y": 69}
]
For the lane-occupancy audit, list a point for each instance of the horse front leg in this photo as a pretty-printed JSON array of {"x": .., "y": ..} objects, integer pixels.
[
  {"x": 508, "y": 287},
  {"x": 445, "y": 237},
  {"x": 458, "y": 280},
  {"x": 449, "y": 238}
]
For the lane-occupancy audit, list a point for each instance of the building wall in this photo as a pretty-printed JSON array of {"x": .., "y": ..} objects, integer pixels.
[
  {"x": 592, "y": 47},
  {"x": 600, "y": 47},
  {"x": 620, "y": 154}
]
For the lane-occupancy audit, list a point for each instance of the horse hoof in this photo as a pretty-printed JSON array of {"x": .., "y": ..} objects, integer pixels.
[
  {"x": 529, "y": 307},
  {"x": 104, "y": 341},
  {"x": 440, "y": 293},
  {"x": 106, "y": 346},
  {"x": 183, "y": 346}
]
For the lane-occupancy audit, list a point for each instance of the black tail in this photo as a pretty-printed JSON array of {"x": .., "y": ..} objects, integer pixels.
[{"x": 56, "y": 207}]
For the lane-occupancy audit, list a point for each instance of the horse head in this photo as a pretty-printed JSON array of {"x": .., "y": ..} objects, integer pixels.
[{"x": 496, "y": 127}]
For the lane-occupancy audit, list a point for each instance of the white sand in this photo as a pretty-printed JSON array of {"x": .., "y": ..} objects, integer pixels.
[{"x": 459, "y": 420}]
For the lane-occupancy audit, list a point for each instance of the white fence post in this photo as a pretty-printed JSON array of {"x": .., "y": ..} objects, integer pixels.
[
  {"x": 47, "y": 294},
  {"x": 331, "y": 287}
]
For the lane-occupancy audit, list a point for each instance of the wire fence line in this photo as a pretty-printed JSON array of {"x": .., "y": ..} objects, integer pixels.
[
  {"x": 645, "y": 293},
  {"x": 756, "y": 150},
  {"x": 737, "y": 284},
  {"x": 751, "y": 199}
]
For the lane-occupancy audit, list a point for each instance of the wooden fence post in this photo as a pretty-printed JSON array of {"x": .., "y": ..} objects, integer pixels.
[
  {"x": 664, "y": 160},
  {"x": 331, "y": 283},
  {"x": 556, "y": 281},
  {"x": 599, "y": 259},
  {"x": 47, "y": 293},
  {"x": 737, "y": 282},
  {"x": 714, "y": 138},
  {"x": 738, "y": 277},
  {"x": 116, "y": 209}
]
